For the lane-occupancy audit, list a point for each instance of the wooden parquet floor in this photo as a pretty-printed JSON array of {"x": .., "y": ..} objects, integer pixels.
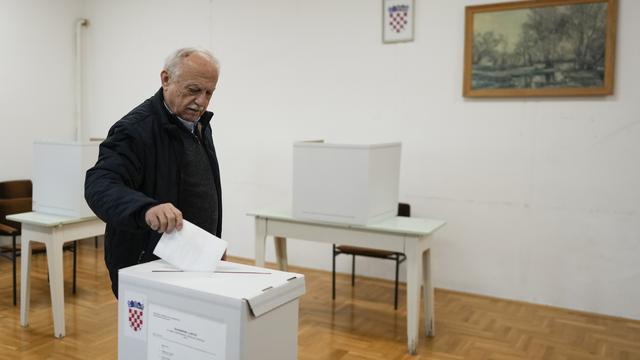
[{"x": 360, "y": 324}]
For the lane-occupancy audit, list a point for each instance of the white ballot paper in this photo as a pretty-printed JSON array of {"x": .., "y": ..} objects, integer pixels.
[{"x": 191, "y": 249}]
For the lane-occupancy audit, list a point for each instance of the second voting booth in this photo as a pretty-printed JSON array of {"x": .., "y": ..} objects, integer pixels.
[
  {"x": 58, "y": 177},
  {"x": 345, "y": 183},
  {"x": 238, "y": 312}
]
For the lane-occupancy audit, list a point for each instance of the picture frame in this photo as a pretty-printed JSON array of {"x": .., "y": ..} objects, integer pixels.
[
  {"x": 540, "y": 48},
  {"x": 398, "y": 19}
]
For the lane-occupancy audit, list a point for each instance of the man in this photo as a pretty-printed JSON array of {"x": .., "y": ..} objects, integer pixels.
[{"x": 158, "y": 165}]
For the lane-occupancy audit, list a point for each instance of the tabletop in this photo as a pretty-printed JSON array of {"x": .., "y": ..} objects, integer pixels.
[
  {"x": 398, "y": 224},
  {"x": 42, "y": 219}
]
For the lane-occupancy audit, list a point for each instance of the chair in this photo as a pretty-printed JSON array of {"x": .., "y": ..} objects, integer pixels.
[
  {"x": 403, "y": 210},
  {"x": 15, "y": 197},
  {"x": 16, "y": 189}
]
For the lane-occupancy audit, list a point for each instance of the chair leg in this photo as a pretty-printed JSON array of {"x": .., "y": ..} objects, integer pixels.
[
  {"x": 395, "y": 301},
  {"x": 75, "y": 254},
  {"x": 13, "y": 250},
  {"x": 333, "y": 274},
  {"x": 353, "y": 270}
]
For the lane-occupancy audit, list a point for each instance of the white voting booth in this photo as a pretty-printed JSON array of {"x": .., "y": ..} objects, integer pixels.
[
  {"x": 345, "y": 183},
  {"x": 58, "y": 177},
  {"x": 238, "y": 312}
]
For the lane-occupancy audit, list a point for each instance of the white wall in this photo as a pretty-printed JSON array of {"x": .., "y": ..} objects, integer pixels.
[
  {"x": 540, "y": 195},
  {"x": 127, "y": 44},
  {"x": 36, "y": 72}
]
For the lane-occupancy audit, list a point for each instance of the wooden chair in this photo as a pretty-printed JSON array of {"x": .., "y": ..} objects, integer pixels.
[
  {"x": 16, "y": 189},
  {"x": 15, "y": 197},
  {"x": 403, "y": 210}
]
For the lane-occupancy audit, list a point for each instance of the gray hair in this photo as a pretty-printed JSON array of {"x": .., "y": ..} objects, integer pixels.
[{"x": 173, "y": 64}]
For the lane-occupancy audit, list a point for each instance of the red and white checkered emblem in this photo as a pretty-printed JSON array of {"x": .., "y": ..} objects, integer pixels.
[
  {"x": 398, "y": 17},
  {"x": 135, "y": 319},
  {"x": 136, "y": 312}
]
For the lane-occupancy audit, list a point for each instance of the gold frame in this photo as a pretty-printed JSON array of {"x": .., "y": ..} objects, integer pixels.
[{"x": 609, "y": 58}]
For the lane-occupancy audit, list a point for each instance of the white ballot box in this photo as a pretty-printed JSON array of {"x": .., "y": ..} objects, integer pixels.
[
  {"x": 58, "y": 177},
  {"x": 354, "y": 184},
  {"x": 238, "y": 312}
]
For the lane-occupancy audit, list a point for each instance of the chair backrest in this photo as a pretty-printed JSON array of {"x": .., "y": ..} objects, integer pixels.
[
  {"x": 404, "y": 210},
  {"x": 15, "y": 197},
  {"x": 13, "y": 206},
  {"x": 15, "y": 189}
]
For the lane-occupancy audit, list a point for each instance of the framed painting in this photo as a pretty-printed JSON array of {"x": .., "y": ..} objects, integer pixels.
[
  {"x": 397, "y": 20},
  {"x": 540, "y": 48}
]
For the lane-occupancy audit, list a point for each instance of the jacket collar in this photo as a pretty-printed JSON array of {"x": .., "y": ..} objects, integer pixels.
[{"x": 170, "y": 121}]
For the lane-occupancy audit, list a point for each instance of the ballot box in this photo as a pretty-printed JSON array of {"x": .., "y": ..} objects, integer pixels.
[
  {"x": 345, "y": 183},
  {"x": 238, "y": 312},
  {"x": 58, "y": 177}
]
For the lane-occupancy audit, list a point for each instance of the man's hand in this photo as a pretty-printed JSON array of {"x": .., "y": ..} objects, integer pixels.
[{"x": 164, "y": 218}]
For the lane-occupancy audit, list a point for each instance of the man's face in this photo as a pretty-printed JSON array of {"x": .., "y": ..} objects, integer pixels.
[{"x": 188, "y": 95}]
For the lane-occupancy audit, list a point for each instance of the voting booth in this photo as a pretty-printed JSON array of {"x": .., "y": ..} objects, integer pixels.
[
  {"x": 58, "y": 177},
  {"x": 238, "y": 312},
  {"x": 345, "y": 183}
]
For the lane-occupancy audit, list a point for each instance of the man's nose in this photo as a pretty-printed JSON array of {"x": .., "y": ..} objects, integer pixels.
[{"x": 202, "y": 100}]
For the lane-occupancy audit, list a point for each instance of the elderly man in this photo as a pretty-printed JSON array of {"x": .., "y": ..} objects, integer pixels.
[{"x": 158, "y": 165}]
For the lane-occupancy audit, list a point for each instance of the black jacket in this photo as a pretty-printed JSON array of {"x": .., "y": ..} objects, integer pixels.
[{"x": 139, "y": 167}]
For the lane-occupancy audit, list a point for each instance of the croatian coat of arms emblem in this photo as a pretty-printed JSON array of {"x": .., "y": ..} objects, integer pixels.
[
  {"x": 398, "y": 17},
  {"x": 136, "y": 309}
]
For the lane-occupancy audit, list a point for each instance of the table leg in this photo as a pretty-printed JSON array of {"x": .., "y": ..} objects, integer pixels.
[
  {"x": 25, "y": 277},
  {"x": 281, "y": 252},
  {"x": 429, "y": 316},
  {"x": 414, "y": 275},
  {"x": 260, "y": 234},
  {"x": 56, "y": 285}
]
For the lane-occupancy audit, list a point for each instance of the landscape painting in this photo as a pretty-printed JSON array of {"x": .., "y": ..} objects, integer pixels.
[{"x": 540, "y": 48}]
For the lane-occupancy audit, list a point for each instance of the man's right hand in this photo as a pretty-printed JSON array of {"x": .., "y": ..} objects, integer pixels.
[{"x": 164, "y": 218}]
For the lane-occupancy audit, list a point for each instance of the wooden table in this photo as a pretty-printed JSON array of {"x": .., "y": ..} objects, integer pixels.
[
  {"x": 411, "y": 236},
  {"x": 53, "y": 231}
]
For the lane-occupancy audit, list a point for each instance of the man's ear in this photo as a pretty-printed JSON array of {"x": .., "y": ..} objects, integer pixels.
[{"x": 164, "y": 78}]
